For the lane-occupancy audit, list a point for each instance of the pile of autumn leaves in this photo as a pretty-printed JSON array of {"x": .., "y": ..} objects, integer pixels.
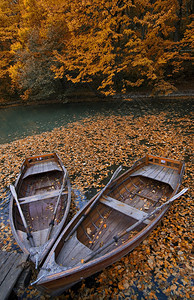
[{"x": 91, "y": 149}]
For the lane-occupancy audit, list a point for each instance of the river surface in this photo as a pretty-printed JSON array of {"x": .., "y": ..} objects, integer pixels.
[{"x": 20, "y": 121}]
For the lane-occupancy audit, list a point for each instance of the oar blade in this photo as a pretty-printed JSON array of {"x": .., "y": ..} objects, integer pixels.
[{"x": 29, "y": 235}]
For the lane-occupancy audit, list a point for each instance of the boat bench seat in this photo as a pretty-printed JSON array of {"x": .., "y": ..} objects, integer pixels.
[
  {"x": 124, "y": 208},
  {"x": 38, "y": 197}
]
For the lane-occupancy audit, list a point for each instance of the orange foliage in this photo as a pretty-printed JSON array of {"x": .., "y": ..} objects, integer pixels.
[{"x": 114, "y": 44}]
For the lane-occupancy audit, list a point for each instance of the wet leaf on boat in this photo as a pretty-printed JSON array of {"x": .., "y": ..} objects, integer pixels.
[{"x": 89, "y": 231}]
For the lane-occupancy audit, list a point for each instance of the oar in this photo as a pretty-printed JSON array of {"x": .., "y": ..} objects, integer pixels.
[
  {"x": 117, "y": 237},
  {"x": 55, "y": 210},
  {"x": 29, "y": 235},
  {"x": 115, "y": 174}
]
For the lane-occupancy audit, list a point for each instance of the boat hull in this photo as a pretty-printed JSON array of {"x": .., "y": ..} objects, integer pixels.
[
  {"x": 38, "y": 188},
  {"x": 121, "y": 205}
]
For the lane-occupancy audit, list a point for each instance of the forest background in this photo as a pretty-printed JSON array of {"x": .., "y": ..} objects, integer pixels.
[{"x": 48, "y": 48}]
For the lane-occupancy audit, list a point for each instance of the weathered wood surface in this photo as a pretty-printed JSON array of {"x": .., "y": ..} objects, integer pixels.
[
  {"x": 160, "y": 173},
  {"x": 42, "y": 168},
  {"x": 38, "y": 197},
  {"x": 124, "y": 208},
  {"x": 73, "y": 245},
  {"x": 11, "y": 266}
]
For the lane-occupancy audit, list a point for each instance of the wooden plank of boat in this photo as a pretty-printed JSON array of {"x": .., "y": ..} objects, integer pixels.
[
  {"x": 160, "y": 173},
  {"x": 124, "y": 208},
  {"x": 40, "y": 192},
  {"x": 41, "y": 197},
  {"x": 125, "y": 213},
  {"x": 42, "y": 167}
]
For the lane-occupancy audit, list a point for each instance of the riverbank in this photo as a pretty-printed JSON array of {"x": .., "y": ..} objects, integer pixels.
[
  {"x": 184, "y": 91},
  {"x": 161, "y": 267}
]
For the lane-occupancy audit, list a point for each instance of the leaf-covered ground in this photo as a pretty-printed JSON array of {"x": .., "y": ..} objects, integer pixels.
[{"x": 161, "y": 267}]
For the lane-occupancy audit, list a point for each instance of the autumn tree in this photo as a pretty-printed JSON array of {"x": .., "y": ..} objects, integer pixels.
[
  {"x": 186, "y": 44},
  {"x": 122, "y": 44},
  {"x": 41, "y": 30},
  {"x": 9, "y": 18},
  {"x": 113, "y": 45},
  {"x": 154, "y": 27},
  {"x": 93, "y": 53}
]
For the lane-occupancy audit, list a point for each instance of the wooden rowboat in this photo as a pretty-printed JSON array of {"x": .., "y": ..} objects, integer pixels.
[
  {"x": 39, "y": 204},
  {"x": 112, "y": 223}
]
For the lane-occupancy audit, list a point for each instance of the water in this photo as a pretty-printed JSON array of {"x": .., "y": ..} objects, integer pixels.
[
  {"x": 21, "y": 121},
  {"x": 18, "y": 122}
]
